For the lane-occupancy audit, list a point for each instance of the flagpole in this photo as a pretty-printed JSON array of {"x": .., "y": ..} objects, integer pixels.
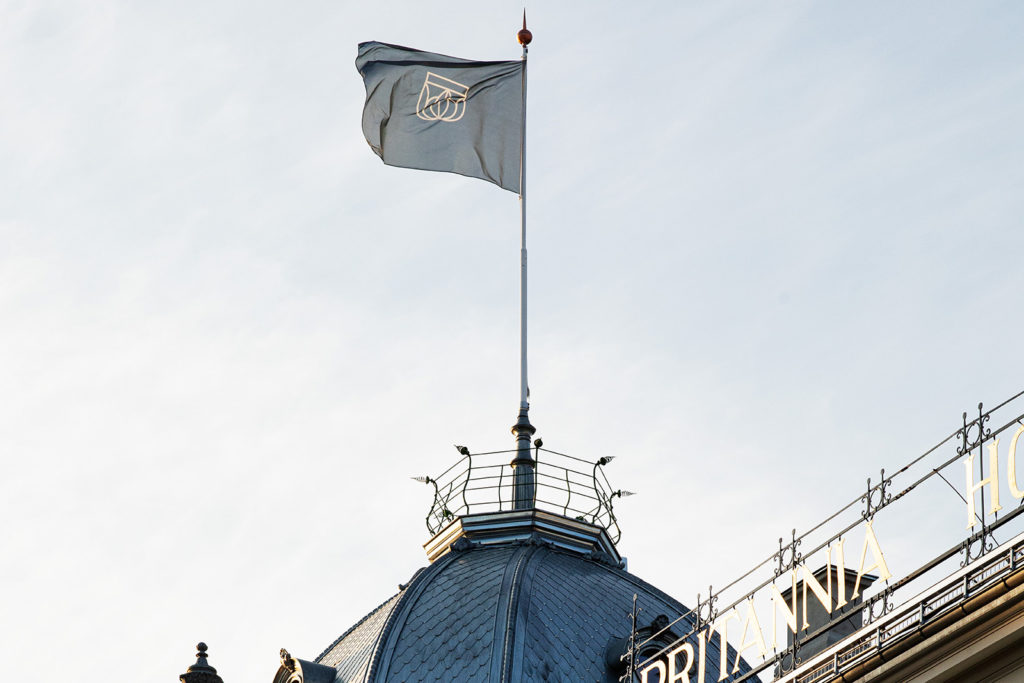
[
  {"x": 524, "y": 466},
  {"x": 524, "y": 388}
]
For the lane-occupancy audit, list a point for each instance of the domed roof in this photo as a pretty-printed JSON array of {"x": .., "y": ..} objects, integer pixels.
[
  {"x": 499, "y": 607},
  {"x": 511, "y": 612},
  {"x": 522, "y": 586}
]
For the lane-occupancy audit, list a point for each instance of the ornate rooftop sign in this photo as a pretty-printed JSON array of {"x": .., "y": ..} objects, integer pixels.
[{"x": 895, "y": 557}]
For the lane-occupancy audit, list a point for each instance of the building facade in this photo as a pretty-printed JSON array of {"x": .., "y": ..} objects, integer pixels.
[{"x": 525, "y": 583}]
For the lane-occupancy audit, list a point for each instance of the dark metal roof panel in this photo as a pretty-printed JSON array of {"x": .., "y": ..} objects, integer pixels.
[
  {"x": 570, "y": 623},
  {"x": 517, "y": 612},
  {"x": 447, "y": 633},
  {"x": 352, "y": 652},
  {"x": 576, "y": 607}
]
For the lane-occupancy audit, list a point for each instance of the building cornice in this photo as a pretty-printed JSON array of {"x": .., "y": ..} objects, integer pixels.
[{"x": 497, "y": 528}]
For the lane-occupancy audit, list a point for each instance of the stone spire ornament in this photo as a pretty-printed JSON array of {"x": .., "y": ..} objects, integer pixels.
[{"x": 200, "y": 672}]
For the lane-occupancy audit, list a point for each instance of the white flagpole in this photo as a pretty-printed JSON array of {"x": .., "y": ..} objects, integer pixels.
[
  {"x": 524, "y": 389},
  {"x": 523, "y": 465}
]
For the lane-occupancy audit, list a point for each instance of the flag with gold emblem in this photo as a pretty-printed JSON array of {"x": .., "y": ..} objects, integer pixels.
[{"x": 440, "y": 113}]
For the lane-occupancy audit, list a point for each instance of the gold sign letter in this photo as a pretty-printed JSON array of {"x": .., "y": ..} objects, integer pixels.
[
  {"x": 878, "y": 562},
  {"x": 722, "y": 626},
  {"x": 788, "y": 612},
  {"x": 824, "y": 597},
  {"x": 657, "y": 664},
  {"x": 841, "y": 572},
  {"x": 757, "y": 638},
  {"x": 992, "y": 480},
  {"x": 1011, "y": 466},
  {"x": 684, "y": 675}
]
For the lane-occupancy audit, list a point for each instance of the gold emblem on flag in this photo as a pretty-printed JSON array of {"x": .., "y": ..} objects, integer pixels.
[{"x": 441, "y": 99}]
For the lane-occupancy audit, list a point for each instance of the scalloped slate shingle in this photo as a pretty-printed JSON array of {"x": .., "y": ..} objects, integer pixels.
[
  {"x": 511, "y": 613},
  {"x": 431, "y": 645},
  {"x": 351, "y": 653}
]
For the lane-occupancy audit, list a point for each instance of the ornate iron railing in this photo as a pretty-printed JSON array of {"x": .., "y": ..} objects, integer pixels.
[
  {"x": 884, "y": 604},
  {"x": 483, "y": 482},
  {"x": 912, "y": 616}
]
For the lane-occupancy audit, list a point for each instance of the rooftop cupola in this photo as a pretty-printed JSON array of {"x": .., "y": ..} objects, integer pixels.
[{"x": 483, "y": 499}]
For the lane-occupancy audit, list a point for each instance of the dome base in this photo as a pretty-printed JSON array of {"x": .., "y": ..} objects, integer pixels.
[{"x": 496, "y": 528}]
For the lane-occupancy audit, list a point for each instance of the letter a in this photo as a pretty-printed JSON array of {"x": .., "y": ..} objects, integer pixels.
[{"x": 878, "y": 563}]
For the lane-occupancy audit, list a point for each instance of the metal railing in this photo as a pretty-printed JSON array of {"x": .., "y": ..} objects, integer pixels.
[
  {"x": 912, "y": 616},
  {"x": 939, "y": 466},
  {"x": 566, "y": 485}
]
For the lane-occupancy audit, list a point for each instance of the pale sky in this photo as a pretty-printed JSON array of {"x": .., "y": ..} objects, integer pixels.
[{"x": 773, "y": 248}]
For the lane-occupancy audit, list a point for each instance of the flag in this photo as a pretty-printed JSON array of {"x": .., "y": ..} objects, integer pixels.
[{"x": 440, "y": 113}]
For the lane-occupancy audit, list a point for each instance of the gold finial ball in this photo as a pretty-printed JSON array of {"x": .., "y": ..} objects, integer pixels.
[{"x": 524, "y": 36}]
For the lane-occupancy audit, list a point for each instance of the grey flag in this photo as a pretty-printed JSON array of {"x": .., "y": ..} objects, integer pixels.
[{"x": 439, "y": 113}]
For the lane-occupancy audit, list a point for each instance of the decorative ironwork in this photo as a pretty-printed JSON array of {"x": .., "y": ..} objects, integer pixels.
[
  {"x": 878, "y": 606},
  {"x": 788, "y": 659},
  {"x": 983, "y": 433},
  {"x": 982, "y": 542},
  {"x": 484, "y": 482},
  {"x": 877, "y": 496},
  {"x": 795, "y": 558},
  {"x": 977, "y": 545},
  {"x": 907, "y": 620},
  {"x": 890, "y": 620},
  {"x": 705, "y": 612},
  {"x": 631, "y": 653}
]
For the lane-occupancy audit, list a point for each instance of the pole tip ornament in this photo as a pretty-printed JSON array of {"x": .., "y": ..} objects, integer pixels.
[{"x": 524, "y": 34}]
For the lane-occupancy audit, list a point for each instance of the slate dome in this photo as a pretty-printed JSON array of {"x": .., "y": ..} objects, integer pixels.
[
  {"x": 520, "y": 594},
  {"x": 511, "y": 612}
]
